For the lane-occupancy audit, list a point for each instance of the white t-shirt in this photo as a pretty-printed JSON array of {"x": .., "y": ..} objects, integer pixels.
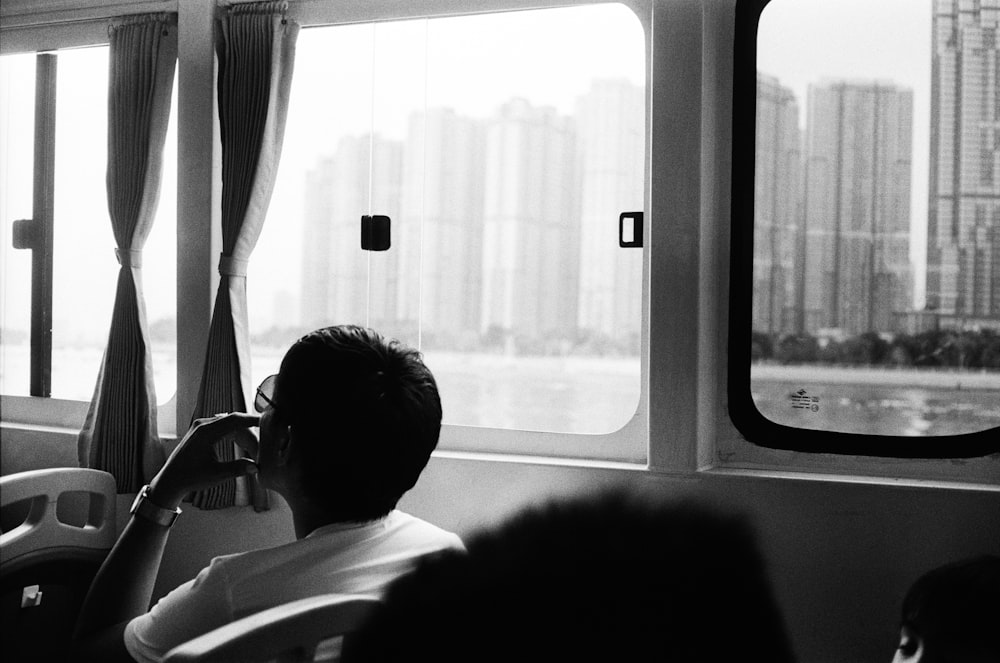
[{"x": 340, "y": 558}]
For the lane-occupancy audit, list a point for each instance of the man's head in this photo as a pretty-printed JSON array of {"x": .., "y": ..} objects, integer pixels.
[
  {"x": 595, "y": 578},
  {"x": 359, "y": 415},
  {"x": 950, "y": 614}
]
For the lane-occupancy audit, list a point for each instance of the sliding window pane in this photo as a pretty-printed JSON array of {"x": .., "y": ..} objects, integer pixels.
[{"x": 534, "y": 144}]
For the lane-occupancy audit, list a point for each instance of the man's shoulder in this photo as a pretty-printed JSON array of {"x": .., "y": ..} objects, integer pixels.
[{"x": 419, "y": 532}]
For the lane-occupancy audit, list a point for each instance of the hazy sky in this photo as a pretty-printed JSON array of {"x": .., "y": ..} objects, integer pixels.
[{"x": 802, "y": 41}]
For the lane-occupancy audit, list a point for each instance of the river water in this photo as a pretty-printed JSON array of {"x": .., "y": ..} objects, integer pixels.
[{"x": 595, "y": 395}]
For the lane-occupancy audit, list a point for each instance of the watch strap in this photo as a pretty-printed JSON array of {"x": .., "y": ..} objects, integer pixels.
[{"x": 145, "y": 508}]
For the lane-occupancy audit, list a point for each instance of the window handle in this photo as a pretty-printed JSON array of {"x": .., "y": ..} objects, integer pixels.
[
  {"x": 630, "y": 230},
  {"x": 24, "y": 234},
  {"x": 375, "y": 232}
]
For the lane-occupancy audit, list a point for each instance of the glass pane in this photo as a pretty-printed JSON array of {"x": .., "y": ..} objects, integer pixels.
[
  {"x": 503, "y": 147},
  {"x": 84, "y": 266},
  {"x": 876, "y": 270},
  {"x": 17, "y": 131},
  {"x": 534, "y": 140}
]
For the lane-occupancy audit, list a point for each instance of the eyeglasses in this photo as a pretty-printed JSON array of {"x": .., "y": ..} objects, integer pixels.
[{"x": 265, "y": 393}]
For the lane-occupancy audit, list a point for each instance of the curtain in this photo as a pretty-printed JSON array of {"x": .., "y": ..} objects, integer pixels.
[
  {"x": 256, "y": 53},
  {"x": 119, "y": 434}
]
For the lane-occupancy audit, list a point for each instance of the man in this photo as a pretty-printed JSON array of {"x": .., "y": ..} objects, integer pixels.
[{"x": 346, "y": 427}]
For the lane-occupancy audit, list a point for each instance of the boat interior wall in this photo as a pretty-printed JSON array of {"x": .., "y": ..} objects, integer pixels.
[{"x": 841, "y": 555}]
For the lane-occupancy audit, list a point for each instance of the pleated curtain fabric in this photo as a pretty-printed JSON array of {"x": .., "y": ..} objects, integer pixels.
[
  {"x": 256, "y": 55},
  {"x": 119, "y": 434}
]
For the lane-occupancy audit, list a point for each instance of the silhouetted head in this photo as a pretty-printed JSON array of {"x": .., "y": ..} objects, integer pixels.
[
  {"x": 363, "y": 414},
  {"x": 606, "y": 578},
  {"x": 951, "y": 614}
]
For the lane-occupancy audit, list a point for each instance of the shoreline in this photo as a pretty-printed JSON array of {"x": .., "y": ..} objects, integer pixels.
[{"x": 903, "y": 377}]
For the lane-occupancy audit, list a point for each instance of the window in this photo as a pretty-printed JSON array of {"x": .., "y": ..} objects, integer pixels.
[
  {"x": 503, "y": 147},
  {"x": 84, "y": 270},
  {"x": 862, "y": 299}
]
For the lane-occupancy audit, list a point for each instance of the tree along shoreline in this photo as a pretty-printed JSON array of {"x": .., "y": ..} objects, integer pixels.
[
  {"x": 898, "y": 376},
  {"x": 931, "y": 349}
]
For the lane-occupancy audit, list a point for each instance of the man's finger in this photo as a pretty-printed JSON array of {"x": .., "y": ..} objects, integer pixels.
[
  {"x": 238, "y": 468},
  {"x": 246, "y": 440},
  {"x": 231, "y": 422}
]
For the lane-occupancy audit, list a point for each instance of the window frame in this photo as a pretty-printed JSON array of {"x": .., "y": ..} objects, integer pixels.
[
  {"x": 748, "y": 420},
  {"x": 629, "y": 443},
  {"x": 25, "y": 29},
  {"x": 84, "y": 22}
]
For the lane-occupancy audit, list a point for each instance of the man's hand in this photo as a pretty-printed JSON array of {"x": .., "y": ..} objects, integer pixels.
[
  {"x": 193, "y": 464},
  {"x": 124, "y": 585}
]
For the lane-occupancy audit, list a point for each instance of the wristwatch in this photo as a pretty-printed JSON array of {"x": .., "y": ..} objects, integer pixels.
[{"x": 149, "y": 510}]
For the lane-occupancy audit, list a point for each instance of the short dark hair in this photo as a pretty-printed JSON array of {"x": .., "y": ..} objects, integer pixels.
[
  {"x": 954, "y": 610},
  {"x": 609, "y": 577},
  {"x": 368, "y": 412}
]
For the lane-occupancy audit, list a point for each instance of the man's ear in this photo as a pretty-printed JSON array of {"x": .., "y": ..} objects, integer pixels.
[{"x": 284, "y": 444}]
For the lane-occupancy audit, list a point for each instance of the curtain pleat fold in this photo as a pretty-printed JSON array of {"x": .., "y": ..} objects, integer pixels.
[
  {"x": 256, "y": 52},
  {"x": 120, "y": 434}
]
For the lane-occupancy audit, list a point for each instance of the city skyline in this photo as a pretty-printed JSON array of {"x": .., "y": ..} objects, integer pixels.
[
  {"x": 802, "y": 42},
  {"x": 852, "y": 231},
  {"x": 492, "y": 224}
]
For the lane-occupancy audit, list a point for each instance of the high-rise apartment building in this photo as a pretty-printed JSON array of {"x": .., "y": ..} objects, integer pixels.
[
  {"x": 777, "y": 210},
  {"x": 963, "y": 233},
  {"x": 444, "y": 160},
  {"x": 610, "y": 127},
  {"x": 857, "y": 206},
  {"x": 530, "y": 259}
]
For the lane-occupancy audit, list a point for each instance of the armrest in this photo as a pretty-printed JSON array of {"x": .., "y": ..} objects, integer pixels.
[{"x": 42, "y": 535}]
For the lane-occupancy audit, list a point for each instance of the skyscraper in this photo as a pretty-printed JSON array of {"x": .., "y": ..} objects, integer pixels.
[
  {"x": 442, "y": 188},
  {"x": 857, "y": 206},
  {"x": 530, "y": 241},
  {"x": 610, "y": 121},
  {"x": 777, "y": 223},
  {"x": 963, "y": 228}
]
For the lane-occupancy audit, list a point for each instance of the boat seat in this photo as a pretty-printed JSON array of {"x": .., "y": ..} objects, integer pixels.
[
  {"x": 58, "y": 525},
  {"x": 310, "y": 629}
]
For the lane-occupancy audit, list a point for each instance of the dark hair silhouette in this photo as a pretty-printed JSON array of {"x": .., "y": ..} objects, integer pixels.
[
  {"x": 954, "y": 610},
  {"x": 605, "y": 578},
  {"x": 369, "y": 413}
]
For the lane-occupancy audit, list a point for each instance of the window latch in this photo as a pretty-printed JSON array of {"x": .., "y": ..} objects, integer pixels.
[
  {"x": 375, "y": 232},
  {"x": 24, "y": 234},
  {"x": 630, "y": 230}
]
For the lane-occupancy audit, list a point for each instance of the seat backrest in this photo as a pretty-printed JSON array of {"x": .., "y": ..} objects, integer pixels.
[
  {"x": 47, "y": 564},
  {"x": 309, "y": 629},
  {"x": 42, "y": 536}
]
